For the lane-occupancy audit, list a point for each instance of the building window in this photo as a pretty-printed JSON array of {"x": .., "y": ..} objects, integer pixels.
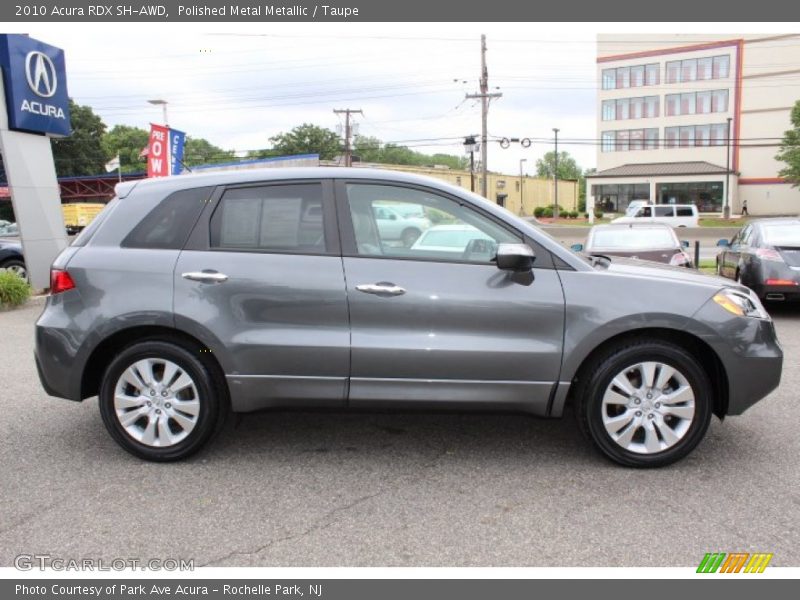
[
  {"x": 623, "y": 105},
  {"x": 701, "y": 135},
  {"x": 704, "y": 68},
  {"x": 673, "y": 104},
  {"x": 623, "y": 77},
  {"x": 674, "y": 71},
  {"x": 719, "y": 134},
  {"x": 637, "y": 76},
  {"x": 637, "y": 108},
  {"x": 703, "y": 103},
  {"x": 687, "y": 136},
  {"x": 616, "y": 197},
  {"x": 609, "y": 79},
  {"x": 706, "y": 195},
  {"x": 608, "y": 139},
  {"x": 687, "y": 104},
  {"x": 719, "y": 101},
  {"x": 609, "y": 110},
  {"x": 651, "y": 74},
  {"x": 721, "y": 67},
  {"x": 629, "y": 139},
  {"x": 651, "y": 139},
  {"x": 651, "y": 106},
  {"x": 671, "y": 137},
  {"x": 689, "y": 69}
]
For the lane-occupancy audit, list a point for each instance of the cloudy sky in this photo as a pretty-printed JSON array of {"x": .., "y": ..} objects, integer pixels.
[{"x": 237, "y": 84}]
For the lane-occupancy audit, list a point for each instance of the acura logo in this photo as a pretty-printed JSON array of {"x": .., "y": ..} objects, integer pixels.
[{"x": 41, "y": 74}]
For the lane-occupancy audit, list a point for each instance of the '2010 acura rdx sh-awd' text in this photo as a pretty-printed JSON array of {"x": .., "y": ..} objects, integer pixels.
[{"x": 192, "y": 296}]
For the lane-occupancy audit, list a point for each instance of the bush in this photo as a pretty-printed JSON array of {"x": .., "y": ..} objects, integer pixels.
[
  {"x": 538, "y": 211},
  {"x": 14, "y": 290},
  {"x": 598, "y": 214},
  {"x": 547, "y": 212},
  {"x": 573, "y": 214},
  {"x": 582, "y": 205}
]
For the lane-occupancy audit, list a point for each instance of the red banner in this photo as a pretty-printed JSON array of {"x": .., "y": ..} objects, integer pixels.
[{"x": 158, "y": 152}]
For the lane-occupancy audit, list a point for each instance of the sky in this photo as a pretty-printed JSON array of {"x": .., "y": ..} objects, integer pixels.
[{"x": 238, "y": 84}]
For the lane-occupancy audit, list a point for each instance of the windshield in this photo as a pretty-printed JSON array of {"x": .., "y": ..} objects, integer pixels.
[
  {"x": 782, "y": 235},
  {"x": 633, "y": 208},
  {"x": 633, "y": 239}
]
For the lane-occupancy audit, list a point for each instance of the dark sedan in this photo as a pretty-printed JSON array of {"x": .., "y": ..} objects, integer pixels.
[
  {"x": 11, "y": 258},
  {"x": 652, "y": 241},
  {"x": 765, "y": 256}
]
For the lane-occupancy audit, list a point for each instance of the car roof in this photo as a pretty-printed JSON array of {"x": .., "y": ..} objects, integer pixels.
[
  {"x": 776, "y": 221},
  {"x": 243, "y": 176}
]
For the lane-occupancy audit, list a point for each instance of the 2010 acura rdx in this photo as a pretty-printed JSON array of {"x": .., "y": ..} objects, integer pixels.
[{"x": 194, "y": 295}]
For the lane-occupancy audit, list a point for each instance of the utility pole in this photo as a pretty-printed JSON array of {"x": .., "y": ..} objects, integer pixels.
[
  {"x": 555, "y": 177},
  {"x": 726, "y": 210},
  {"x": 484, "y": 97},
  {"x": 521, "y": 186},
  {"x": 348, "y": 152}
]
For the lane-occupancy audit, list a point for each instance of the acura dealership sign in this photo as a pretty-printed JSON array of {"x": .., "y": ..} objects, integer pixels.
[{"x": 36, "y": 86}]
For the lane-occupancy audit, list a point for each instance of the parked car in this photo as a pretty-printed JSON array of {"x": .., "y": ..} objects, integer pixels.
[
  {"x": 12, "y": 259},
  {"x": 400, "y": 225},
  {"x": 765, "y": 256},
  {"x": 645, "y": 241},
  {"x": 8, "y": 229},
  {"x": 188, "y": 297},
  {"x": 675, "y": 215},
  {"x": 456, "y": 241}
]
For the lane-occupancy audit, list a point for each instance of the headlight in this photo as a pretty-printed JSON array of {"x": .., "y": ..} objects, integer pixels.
[{"x": 740, "y": 304}]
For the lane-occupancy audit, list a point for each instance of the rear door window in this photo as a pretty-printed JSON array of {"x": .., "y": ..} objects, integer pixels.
[
  {"x": 684, "y": 211},
  {"x": 271, "y": 218},
  {"x": 665, "y": 211}
]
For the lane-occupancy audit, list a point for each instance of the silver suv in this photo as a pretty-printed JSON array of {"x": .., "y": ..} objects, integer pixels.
[{"x": 192, "y": 296}]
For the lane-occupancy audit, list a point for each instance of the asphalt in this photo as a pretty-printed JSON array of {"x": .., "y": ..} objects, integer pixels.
[{"x": 328, "y": 489}]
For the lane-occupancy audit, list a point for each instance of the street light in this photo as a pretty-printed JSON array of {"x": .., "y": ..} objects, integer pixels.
[
  {"x": 521, "y": 184},
  {"x": 163, "y": 104},
  {"x": 469, "y": 146},
  {"x": 555, "y": 176}
]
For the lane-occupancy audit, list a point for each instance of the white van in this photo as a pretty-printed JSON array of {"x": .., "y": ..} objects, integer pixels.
[{"x": 676, "y": 215}]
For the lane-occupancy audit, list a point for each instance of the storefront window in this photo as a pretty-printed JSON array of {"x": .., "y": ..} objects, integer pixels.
[
  {"x": 706, "y": 195},
  {"x": 616, "y": 197}
]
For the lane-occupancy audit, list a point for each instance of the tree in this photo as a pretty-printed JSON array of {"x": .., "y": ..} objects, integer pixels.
[
  {"x": 371, "y": 149},
  {"x": 790, "y": 149},
  {"x": 308, "y": 139},
  {"x": 198, "y": 151},
  {"x": 567, "y": 167},
  {"x": 128, "y": 142},
  {"x": 81, "y": 153}
]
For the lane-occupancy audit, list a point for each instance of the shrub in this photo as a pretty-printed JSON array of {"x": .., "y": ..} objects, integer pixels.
[
  {"x": 547, "y": 212},
  {"x": 14, "y": 290},
  {"x": 573, "y": 214},
  {"x": 598, "y": 214},
  {"x": 538, "y": 211}
]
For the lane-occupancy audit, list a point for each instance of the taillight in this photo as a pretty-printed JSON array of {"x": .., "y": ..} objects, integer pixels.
[
  {"x": 769, "y": 254},
  {"x": 679, "y": 259},
  {"x": 780, "y": 282},
  {"x": 60, "y": 281}
]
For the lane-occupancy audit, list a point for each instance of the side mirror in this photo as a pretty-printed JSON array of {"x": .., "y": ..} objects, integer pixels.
[
  {"x": 576, "y": 247},
  {"x": 392, "y": 217},
  {"x": 685, "y": 244},
  {"x": 515, "y": 257},
  {"x": 723, "y": 243}
]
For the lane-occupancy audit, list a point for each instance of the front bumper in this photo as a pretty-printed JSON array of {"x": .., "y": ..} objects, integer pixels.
[{"x": 748, "y": 348}]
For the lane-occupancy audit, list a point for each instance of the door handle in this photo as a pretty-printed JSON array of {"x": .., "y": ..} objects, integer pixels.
[
  {"x": 205, "y": 276},
  {"x": 381, "y": 289}
]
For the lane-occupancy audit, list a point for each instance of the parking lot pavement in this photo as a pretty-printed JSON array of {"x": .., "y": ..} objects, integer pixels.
[{"x": 328, "y": 489}]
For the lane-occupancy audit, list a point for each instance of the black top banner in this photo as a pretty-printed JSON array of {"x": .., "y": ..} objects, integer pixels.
[{"x": 711, "y": 11}]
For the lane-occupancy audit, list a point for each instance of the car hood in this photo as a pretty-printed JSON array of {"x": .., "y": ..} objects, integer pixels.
[{"x": 644, "y": 268}]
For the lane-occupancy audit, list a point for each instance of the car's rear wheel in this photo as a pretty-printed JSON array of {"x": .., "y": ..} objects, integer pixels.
[
  {"x": 645, "y": 403},
  {"x": 159, "y": 401},
  {"x": 15, "y": 266}
]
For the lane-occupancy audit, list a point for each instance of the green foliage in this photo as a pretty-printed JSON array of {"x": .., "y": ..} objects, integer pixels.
[
  {"x": 538, "y": 211},
  {"x": 81, "y": 153},
  {"x": 438, "y": 217},
  {"x": 128, "y": 142},
  {"x": 573, "y": 214},
  {"x": 14, "y": 290},
  {"x": 198, "y": 151},
  {"x": 598, "y": 214},
  {"x": 307, "y": 139},
  {"x": 790, "y": 149},
  {"x": 373, "y": 150},
  {"x": 567, "y": 167},
  {"x": 547, "y": 212}
]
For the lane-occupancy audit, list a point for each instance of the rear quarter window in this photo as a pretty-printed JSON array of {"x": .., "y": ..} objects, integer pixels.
[
  {"x": 168, "y": 225},
  {"x": 685, "y": 211}
]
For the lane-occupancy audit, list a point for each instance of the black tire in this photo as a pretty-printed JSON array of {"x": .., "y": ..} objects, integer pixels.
[
  {"x": 597, "y": 377},
  {"x": 211, "y": 394},
  {"x": 17, "y": 266},
  {"x": 409, "y": 236}
]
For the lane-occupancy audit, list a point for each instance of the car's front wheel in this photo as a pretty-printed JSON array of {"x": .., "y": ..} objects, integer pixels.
[
  {"x": 159, "y": 401},
  {"x": 645, "y": 403}
]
